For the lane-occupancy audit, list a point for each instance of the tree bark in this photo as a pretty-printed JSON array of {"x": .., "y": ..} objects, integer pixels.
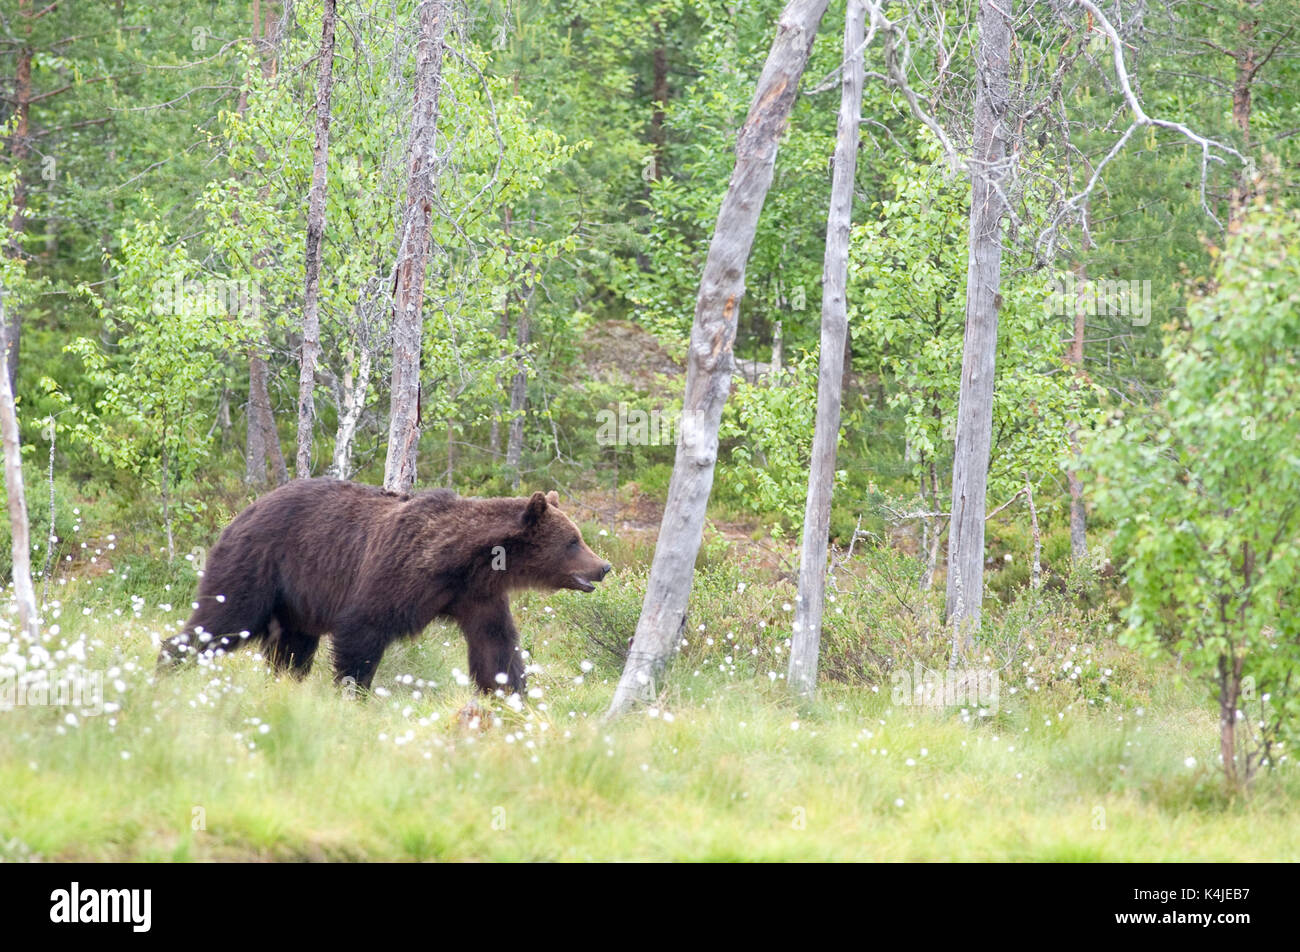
[
  {"x": 1036, "y": 563},
  {"x": 979, "y": 355},
  {"x": 1230, "y": 668},
  {"x": 1246, "y": 64},
  {"x": 315, "y": 232},
  {"x": 263, "y": 439},
  {"x": 659, "y": 94},
  {"x": 255, "y": 436},
  {"x": 711, "y": 361},
  {"x": 417, "y": 222},
  {"x": 810, "y": 601},
  {"x": 356, "y": 381},
  {"x": 20, "y": 529}
]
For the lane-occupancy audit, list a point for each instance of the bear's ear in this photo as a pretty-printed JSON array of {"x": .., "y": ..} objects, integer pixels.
[
  {"x": 535, "y": 509},
  {"x": 553, "y": 498}
]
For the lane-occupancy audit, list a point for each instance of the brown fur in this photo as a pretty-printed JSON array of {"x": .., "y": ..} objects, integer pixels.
[{"x": 325, "y": 556}]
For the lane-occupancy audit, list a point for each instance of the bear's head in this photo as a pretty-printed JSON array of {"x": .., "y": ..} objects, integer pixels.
[{"x": 557, "y": 556}]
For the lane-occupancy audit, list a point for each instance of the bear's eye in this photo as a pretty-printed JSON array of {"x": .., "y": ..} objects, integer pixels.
[{"x": 575, "y": 542}]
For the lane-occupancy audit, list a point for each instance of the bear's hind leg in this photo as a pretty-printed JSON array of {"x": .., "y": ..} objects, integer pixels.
[
  {"x": 289, "y": 648},
  {"x": 214, "y": 626}
]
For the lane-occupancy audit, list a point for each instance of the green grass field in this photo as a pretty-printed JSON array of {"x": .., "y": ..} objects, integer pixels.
[{"x": 1089, "y": 753}]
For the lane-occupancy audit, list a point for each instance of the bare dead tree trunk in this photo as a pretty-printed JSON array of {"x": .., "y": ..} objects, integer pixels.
[
  {"x": 710, "y": 364},
  {"x": 315, "y": 232},
  {"x": 979, "y": 356},
  {"x": 20, "y": 529},
  {"x": 417, "y": 223},
  {"x": 810, "y": 601}
]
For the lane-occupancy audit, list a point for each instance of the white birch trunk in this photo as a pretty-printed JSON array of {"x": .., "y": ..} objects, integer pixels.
[
  {"x": 20, "y": 530},
  {"x": 356, "y": 382}
]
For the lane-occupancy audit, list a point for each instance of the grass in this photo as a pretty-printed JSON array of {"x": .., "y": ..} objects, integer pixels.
[{"x": 1089, "y": 754}]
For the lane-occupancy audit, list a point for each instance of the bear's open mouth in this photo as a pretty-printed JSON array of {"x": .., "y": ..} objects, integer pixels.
[{"x": 582, "y": 584}]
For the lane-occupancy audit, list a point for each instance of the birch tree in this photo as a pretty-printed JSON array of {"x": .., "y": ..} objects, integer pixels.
[
  {"x": 355, "y": 381},
  {"x": 416, "y": 227},
  {"x": 315, "y": 233},
  {"x": 20, "y": 530},
  {"x": 710, "y": 361},
  {"x": 810, "y": 601}
]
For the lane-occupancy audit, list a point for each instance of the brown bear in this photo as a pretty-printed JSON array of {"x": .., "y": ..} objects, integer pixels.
[{"x": 367, "y": 566}]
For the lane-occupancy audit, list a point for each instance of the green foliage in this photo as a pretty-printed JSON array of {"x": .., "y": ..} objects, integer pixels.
[
  {"x": 1204, "y": 489},
  {"x": 910, "y": 264},
  {"x": 767, "y": 430},
  {"x": 157, "y": 382}
]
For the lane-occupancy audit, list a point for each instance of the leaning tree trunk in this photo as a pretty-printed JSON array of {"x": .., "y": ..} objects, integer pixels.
[
  {"x": 413, "y": 249},
  {"x": 983, "y": 274},
  {"x": 810, "y": 601},
  {"x": 315, "y": 232},
  {"x": 24, "y": 591},
  {"x": 709, "y": 367}
]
